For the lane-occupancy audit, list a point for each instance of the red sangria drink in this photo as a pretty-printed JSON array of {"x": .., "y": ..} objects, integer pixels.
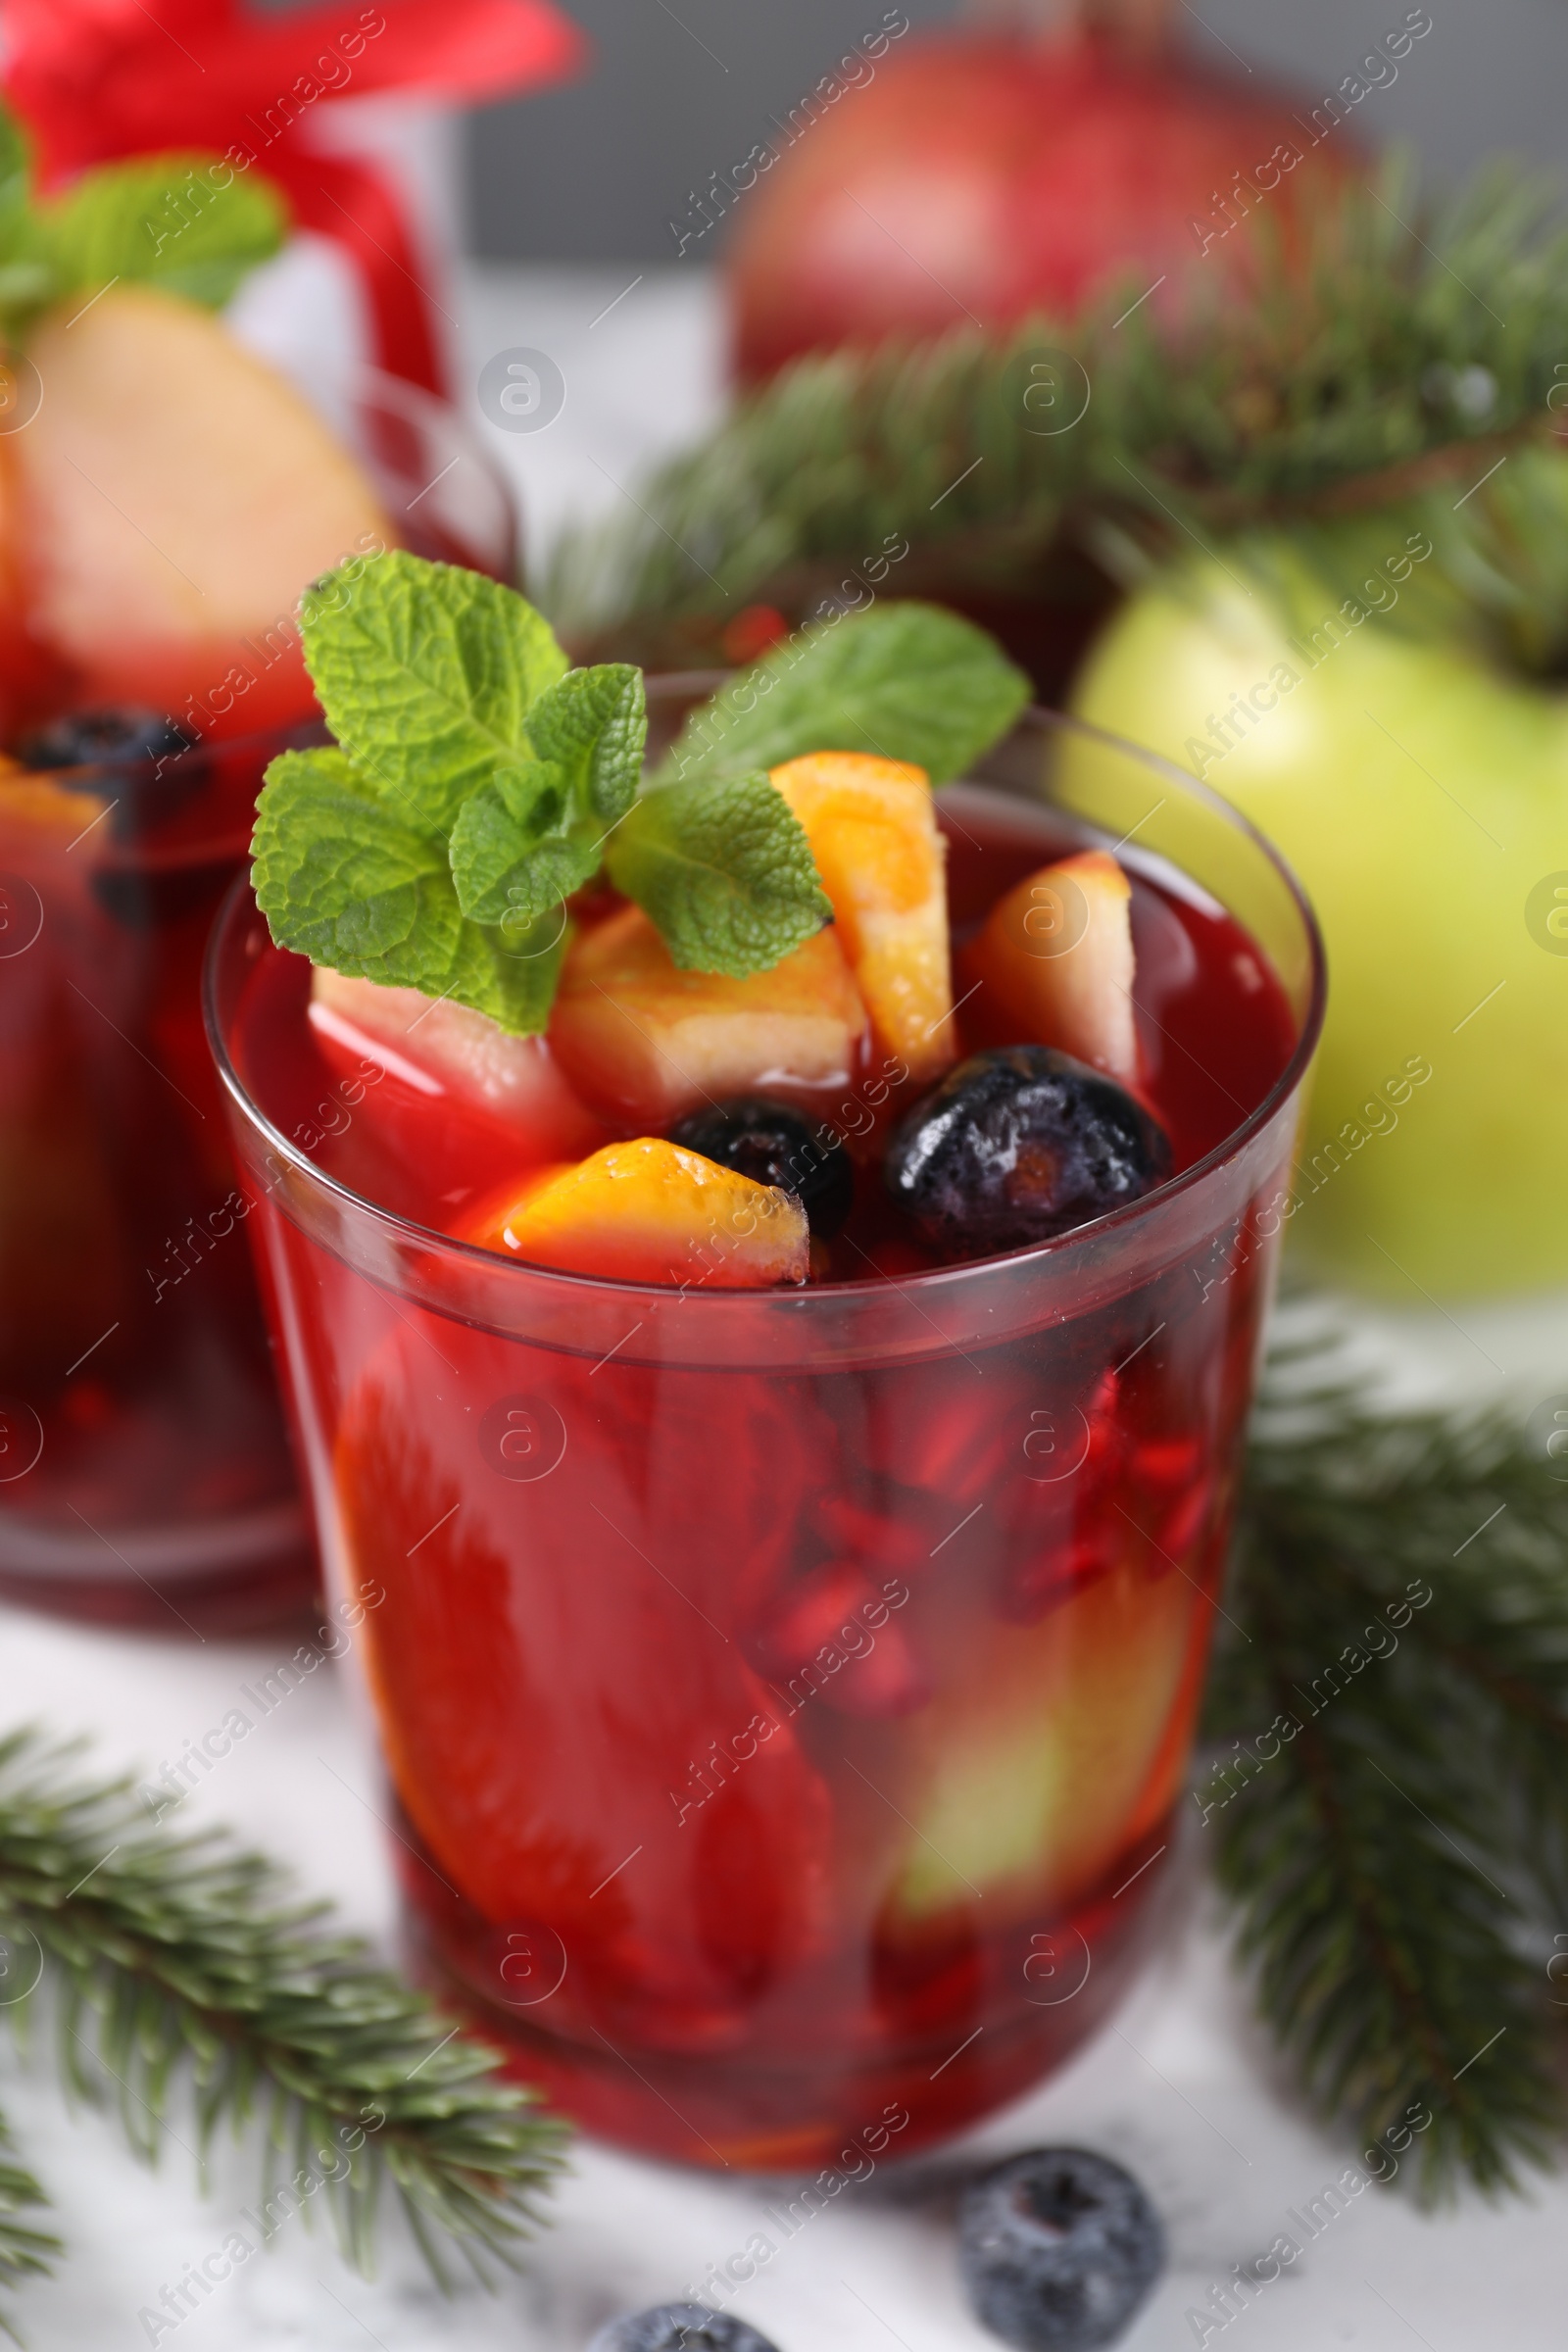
[
  {"x": 775, "y": 1380},
  {"x": 149, "y": 669}
]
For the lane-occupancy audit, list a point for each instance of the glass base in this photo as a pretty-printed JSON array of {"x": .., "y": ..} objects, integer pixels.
[
  {"x": 765, "y": 2109},
  {"x": 225, "y": 1577}
]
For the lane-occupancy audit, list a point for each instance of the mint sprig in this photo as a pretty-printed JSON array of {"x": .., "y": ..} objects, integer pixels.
[
  {"x": 478, "y": 782},
  {"x": 425, "y": 672},
  {"x": 535, "y": 832},
  {"x": 349, "y": 880},
  {"x": 353, "y": 868},
  {"x": 503, "y": 868},
  {"x": 592, "y": 727},
  {"x": 911, "y": 681},
  {"x": 726, "y": 871},
  {"x": 187, "y": 222}
]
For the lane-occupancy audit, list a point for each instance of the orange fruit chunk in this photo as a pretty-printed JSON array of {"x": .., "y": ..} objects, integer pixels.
[
  {"x": 38, "y": 803},
  {"x": 1055, "y": 959},
  {"x": 647, "y": 1040},
  {"x": 649, "y": 1211},
  {"x": 872, "y": 827}
]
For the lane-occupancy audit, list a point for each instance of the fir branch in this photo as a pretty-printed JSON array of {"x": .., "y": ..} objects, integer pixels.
[
  {"x": 25, "y": 2252},
  {"x": 1395, "y": 362},
  {"x": 1392, "y": 1817},
  {"x": 186, "y": 1957}
]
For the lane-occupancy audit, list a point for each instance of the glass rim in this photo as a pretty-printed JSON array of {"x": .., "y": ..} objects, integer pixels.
[{"x": 1057, "y": 1251}]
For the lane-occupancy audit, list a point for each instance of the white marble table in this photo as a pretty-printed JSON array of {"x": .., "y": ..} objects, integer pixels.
[{"x": 1181, "y": 2087}]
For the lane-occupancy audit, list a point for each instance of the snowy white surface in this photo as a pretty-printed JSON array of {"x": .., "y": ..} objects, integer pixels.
[{"x": 1181, "y": 2087}]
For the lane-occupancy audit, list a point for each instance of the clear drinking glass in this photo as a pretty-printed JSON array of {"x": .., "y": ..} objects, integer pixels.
[
  {"x": 785, "y": 1694},
  {"x": 145, "y": 1478}
]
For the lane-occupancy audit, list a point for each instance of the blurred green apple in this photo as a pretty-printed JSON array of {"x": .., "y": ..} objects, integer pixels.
[{"x": 1420, "y": 792}]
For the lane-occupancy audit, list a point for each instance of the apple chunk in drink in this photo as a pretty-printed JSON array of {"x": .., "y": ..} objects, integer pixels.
[{"x": 797, "y": 1481}]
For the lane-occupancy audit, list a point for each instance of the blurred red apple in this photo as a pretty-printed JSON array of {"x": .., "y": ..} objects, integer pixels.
[{"x": 986, "y": 175}]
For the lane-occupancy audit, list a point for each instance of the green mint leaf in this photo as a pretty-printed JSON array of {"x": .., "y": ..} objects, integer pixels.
[
  {"x": 534, "y": 834},
  {"x": 426, "y": 672},
  {"x": 24, "y": 285},
  {"x": 16, "y": 177},
  {"x": 534, "y": 794},
  {"x": 336, "y": 872},
  {"x": 594, "y": 726},
  {"x": 509, "y": 971},
  {"x": 434, "y": 848},
  {"x": 189, "y": 222},
  {"x": 26, "y": 278},
  {"x": 908, "y": 680},
  {"x": 503, "y": 870},
  {"x": 344, "y": 879},
  {"x": 725, "y": 870}
]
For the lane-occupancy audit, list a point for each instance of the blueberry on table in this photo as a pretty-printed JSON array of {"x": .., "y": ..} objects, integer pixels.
[
  {"x": 1018, "y": 1145},
  {"x": 772, "y": 1144},
  {"x": 1057, "y": 2249},
  {"x": 678, "y": 2328},
  {"x": 93, "y": 738}
]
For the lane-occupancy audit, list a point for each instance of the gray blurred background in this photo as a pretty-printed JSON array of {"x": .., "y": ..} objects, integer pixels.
[{"x": 680, "y": 89}]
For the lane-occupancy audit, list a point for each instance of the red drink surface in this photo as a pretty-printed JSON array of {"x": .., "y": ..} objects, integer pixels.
[
  {"x": 781, "y": 1732},
  {"x": 1214, "y": 1033}
]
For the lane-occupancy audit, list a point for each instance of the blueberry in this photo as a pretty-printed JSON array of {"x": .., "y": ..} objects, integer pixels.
[
  {"x": 133, "y": 759},
  {"x": 1017, "y": 1145},
  {"x": 678, "y": 2328},
  {"x": 101, "y": 738},
  {"x": 772, "y": 1144},
  {"x": 1057, "y": 2249}
]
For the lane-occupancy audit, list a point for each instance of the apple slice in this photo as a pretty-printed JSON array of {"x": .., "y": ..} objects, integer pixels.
[
  {"x": 872, "y": 827},
  {"x": 175, "y": 496},
  {"x": 649, "y": 1211},
  {"x": 647, "y": 1040},
  {"x": 449, "y": 1052},
  {"x": 1047, "y": 1751},
  {"x": 1055, "y": 958}
]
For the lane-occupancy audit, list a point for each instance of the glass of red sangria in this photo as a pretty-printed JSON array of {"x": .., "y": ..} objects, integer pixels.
[
  {"x": 778, "y": 1430},
  {"x": 145, "y": 1478}
]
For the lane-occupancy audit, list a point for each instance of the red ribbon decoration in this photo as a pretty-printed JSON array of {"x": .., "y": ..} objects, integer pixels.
[{"x": 99, "y": 80}]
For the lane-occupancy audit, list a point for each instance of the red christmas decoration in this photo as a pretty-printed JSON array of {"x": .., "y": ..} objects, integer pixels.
[{"x": 96, "y": 80}]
